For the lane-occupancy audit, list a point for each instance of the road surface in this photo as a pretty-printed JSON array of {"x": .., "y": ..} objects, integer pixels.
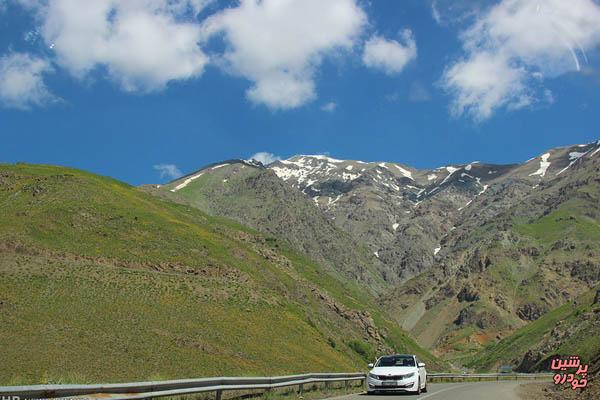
[{"x": 501, "y": 390}]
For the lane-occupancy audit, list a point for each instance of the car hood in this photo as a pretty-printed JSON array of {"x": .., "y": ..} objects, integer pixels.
[{"x": 393, "y": 370}]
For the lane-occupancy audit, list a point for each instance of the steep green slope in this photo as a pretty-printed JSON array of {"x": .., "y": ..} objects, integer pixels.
[
  {"x": 507, "y": 265},
  {"x": 102, "y": 282},
  {"x": 256, "y": 197},
  {"x": 571, "y": 329}
]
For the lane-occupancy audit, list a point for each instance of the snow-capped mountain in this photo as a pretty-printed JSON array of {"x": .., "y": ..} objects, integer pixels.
[
  {"x": 313, "y": 173},
  {"x": 471, "y": 246},
  {"x": 387, "y": 205},
  {"x": 402, "y": 214}
]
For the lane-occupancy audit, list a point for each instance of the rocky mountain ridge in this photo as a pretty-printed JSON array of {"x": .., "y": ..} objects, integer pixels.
[
  {"x": 380, "y": 202},
  {"x": 460, "y": 255}
]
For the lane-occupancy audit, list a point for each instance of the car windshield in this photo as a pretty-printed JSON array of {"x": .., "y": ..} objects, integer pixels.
[{"x": 396, "y": 361}]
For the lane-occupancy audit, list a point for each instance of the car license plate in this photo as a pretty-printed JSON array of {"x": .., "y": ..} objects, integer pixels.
[{"x": 389, "y": 383}]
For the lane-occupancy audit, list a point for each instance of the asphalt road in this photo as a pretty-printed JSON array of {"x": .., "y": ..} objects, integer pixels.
[{"x": 502, "y": 390}]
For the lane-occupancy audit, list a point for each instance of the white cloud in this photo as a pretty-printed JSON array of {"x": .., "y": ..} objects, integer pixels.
[
  {"x": 329, "y": 107},
  {"x": 142, "y": 44},
  {"x": 390, "y": 56},
  {"x": 511, "y": 48},
  {"x": 169, "y": 171},
  {"x": 279, "y": 44},
  {"x": 484, "y": 82},
  {"x": 22, "y": 82},
  {"x": 265, "y": 158}
]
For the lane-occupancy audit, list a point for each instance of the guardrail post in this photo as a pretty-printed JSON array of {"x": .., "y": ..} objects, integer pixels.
[
  {"x": 300, "y": 389},
  {"x": 219, "y": 394}
]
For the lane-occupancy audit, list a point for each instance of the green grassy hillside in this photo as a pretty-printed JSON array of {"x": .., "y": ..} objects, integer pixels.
[
  {"x": 256, "y": 197},
  {"x": 504, "y": 273},
  {"x": 102, "y": 282},
  {"x": 571, "y": 329}
]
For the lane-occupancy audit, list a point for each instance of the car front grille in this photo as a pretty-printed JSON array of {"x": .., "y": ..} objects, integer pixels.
[{"x": 393, "y": 377}]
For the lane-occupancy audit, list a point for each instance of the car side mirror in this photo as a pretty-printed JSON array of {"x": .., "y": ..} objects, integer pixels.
[
  {"x": 421, "y": 365},
  {"x": 370, "y": 365}
]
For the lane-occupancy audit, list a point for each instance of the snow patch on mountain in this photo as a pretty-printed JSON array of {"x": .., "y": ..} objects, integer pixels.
[
  {"x": 573, "y": 157},
  {"x": 466, "y": 205},
  {"x": 307, "y": 170},
  {"x": 544, "y": 164},
  {"x": 332, "y": 202},
  {"x": 451, "y": 170},
  {"x": 349, "y": 177},
  {"x": 252, "y": 163},
  {"x": 219, "y": 166},
  {"x": 287, "y": 173},
  {"x": 324, "y": 158},
  {"x": 405, "y": 172},
  {"x": 187, "y": 182}
]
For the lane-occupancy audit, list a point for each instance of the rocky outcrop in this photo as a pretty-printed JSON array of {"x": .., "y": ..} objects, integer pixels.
[
  {"x": 483, "y": 319},
  {"x": 468, "y": 293},
  {"x": 361, "y": 318},
  {"x": 531, "y": 311},
  {"x": 466, "y": 316}
]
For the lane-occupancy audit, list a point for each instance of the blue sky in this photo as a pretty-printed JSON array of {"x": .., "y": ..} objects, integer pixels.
[{"x": 119, "y": 89}]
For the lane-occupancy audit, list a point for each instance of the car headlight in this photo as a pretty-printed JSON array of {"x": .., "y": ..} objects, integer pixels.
[
  {"x": 373, "y": 376},
  {"x": 408, "y": 375}
]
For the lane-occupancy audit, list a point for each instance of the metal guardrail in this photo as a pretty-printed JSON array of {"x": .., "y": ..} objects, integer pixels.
[{"x": 147, "y": 390}]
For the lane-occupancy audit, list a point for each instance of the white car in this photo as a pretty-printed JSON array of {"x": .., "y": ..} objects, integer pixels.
[{"x": 399, "y": 372}]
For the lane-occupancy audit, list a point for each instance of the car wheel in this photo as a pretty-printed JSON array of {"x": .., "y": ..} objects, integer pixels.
[
  {"x": 419, "y": 386},
  {"x": 425, "y": 388},
  {"x": 370, "y": 392}
]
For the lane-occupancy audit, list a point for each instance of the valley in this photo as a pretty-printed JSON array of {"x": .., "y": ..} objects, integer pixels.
[
  {"x": 307, "y": 264},
  {"x": 460, "y": 256},
  {"x": 102, "y": 282}
]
